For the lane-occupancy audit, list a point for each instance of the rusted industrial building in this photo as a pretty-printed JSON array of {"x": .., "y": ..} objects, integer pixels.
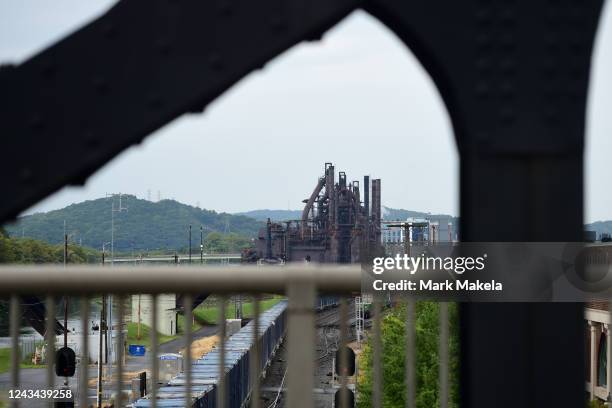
[{"x": 336, "y": 225}]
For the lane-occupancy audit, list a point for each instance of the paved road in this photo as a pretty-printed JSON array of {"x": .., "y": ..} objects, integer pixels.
[
  {"x": 36, "y": 378},
  {"x": 175, "y": 345}
]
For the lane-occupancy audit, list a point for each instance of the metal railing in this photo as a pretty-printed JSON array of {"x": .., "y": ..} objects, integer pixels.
[{"x": 301, "y": 283}]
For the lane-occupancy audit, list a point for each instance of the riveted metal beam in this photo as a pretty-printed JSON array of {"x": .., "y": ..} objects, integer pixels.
[
  {"x": 70, "y": 109},
  {"x": 513, "y": 75}
]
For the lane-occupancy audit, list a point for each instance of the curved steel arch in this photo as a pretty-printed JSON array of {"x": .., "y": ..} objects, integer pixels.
[
  {"x": 513, "y": 75},
  {"x": 128, "y": 73}
]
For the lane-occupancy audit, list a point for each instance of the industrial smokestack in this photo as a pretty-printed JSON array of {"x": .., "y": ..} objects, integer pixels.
[
  {"x": 376, "y": 209},
  {"x": 331, "y": 193},
  {"x": 366, "y": 195},
  {"x": 269, "y": 239}
]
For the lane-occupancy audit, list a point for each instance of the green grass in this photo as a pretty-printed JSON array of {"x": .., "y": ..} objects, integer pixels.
[
  {"x": 5, "y": 361},
  {"x": 145, "y": 335},
  {"x": 206, "y": 313},
  {"x": 210, "y": 314},
  {"x": 5, "y": 358}
]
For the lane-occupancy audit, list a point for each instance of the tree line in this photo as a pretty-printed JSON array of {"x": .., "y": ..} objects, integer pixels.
[{"x": 32, "y": 251}]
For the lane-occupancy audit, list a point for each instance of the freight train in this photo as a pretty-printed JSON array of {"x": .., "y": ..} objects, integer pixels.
[{"x": 238, "y": 349}]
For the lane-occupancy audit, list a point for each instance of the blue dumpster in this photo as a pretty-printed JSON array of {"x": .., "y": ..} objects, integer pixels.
[{"x": 136, "y": 350}]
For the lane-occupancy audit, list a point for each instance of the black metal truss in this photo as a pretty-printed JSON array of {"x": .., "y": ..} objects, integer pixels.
[{"x": 513, "y": 75}]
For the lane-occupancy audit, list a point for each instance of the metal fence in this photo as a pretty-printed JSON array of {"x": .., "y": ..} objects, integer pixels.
[{"x": 301, "y": 284}]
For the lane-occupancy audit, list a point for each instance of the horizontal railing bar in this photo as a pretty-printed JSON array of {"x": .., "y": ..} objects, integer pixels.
[{"x": 95, "y": 279}]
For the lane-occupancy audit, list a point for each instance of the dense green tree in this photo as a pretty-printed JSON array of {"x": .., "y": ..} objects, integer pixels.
[
  {"x": 394, "y": 346},
  {"x": 27, "y": 250}
]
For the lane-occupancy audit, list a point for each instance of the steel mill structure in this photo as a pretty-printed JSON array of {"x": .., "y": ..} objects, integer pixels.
[{"x": 337, "y": 225}]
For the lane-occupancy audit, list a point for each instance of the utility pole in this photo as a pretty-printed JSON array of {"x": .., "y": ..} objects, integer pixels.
[
  {"x": 65, "y": 239},
  {"x": 138, "y": 335},
  {"x": 100, "y": 330},
  {"x": 110, "y": 297},
  {"x": 190, "y": 244},
  {"x": 100, "y": 340},
  {"x": 201, "y": 245}
]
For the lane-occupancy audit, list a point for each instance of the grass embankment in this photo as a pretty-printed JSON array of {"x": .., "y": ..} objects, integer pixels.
[
  {"x": 5, "y": 361},
  {"x": 209, "y": 314},
  {"x": 145, "y": 335},
  {"x": 205, "y": 314}
]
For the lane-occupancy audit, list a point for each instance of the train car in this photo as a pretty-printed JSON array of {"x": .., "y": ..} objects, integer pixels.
[{"x": 236, "y": 366}]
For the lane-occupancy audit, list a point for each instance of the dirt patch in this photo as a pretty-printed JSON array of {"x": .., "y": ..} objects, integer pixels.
[
  {"x": 202, "y": 346},
  {"x": 126, "y": 377}
]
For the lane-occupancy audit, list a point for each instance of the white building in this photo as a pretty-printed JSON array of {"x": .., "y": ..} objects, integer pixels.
[
  {"x": 391, "y": 235},
  {"x": 599, "y": 380},
  {"x": 166, "y": 312},
  {"x": 598, "y": 332}
]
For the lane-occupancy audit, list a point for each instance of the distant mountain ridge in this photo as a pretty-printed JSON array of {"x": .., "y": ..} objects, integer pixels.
[
  {"x": 395, "y": 214},
  {"x": 388, "y": 214},
  {"x": 163, "y": 225},
  {"x": 146, "y": 225},
  {"x": 274, "y": 215}
]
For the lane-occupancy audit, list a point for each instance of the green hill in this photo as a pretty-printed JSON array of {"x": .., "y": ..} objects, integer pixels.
[{"x": 145, "y": 225}]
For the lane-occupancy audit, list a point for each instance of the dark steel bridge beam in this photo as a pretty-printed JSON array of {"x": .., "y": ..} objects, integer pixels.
[
  {"x": 513, "y": 75},
  {"x": 70, "y": 109}
]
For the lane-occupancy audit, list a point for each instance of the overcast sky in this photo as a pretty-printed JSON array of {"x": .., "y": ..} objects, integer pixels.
[{"x": 358, "y": 98}]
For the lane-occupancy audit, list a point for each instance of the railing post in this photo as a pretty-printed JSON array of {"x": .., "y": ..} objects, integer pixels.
[
  {"x": 15, "y": 320},
  {"x": 344, "y": 361},
  {"x": 410, "y": 354},
  {"x": 255, "y": 363},
  {"x": 301, "y": 338},
  {"x": 222, "y": 389},
  {"x": 50, "y": 339},
  {"x": 377, "y": 385},
  {"x": 443, "y": 354},
  {"x": 188, "y": 304},
  {"x": 120, "y": 350},
  {"x": 154, "y": 348},
  {"x": 83, "y": 367}
]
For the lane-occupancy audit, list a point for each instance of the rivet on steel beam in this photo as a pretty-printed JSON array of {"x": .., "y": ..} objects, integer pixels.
[
  {"x": 36, "y": 122},
  {"x": 483, "y": 41},
  {"x": 483, "y": 64},
  {"x": 551, "y": 114},
  {"x": 48, "y": 70},
  {"x": 90, "y": 139},
  {"x": 215, "y": 61},
  {"x": 508, "y": 42},
  {"x": 482, "y": 89},
  {"x": 482, "y": 14},
  {"x": 25, "y": 174},
  {"x": 577, "y": 48},
  {"x": 507, "y": 115},
  {"x": 109, "y": 31},
  {"x": 154, "y": 101},
  {"x": 508, "y": 66},
  {"x": 100, "y": 85},
  {"x": 6, "y": 68},
  {"x": 278, "y": 24},
  {"x": 225, "y": 8},
  {"x": 163, "y": 46}
]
